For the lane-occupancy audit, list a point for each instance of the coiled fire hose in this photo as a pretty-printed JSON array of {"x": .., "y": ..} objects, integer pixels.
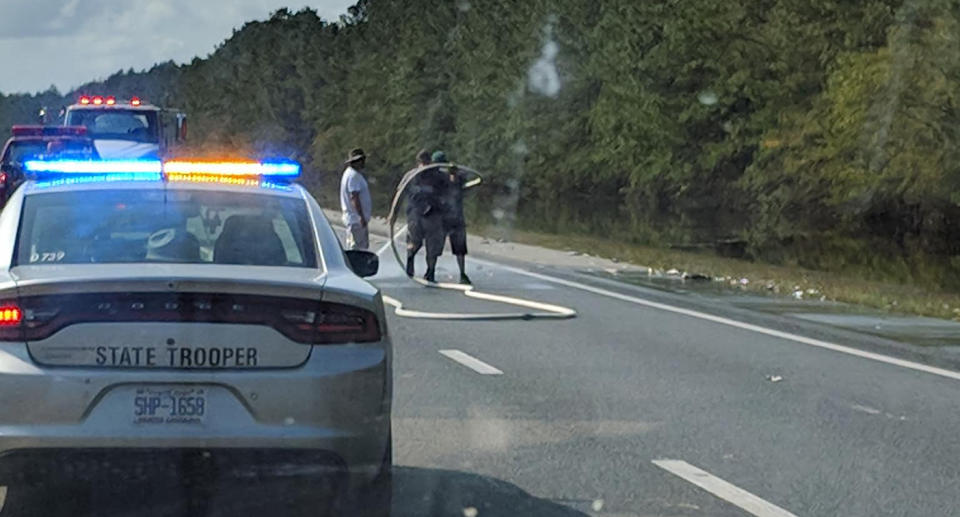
[{"x": 538, "y": 310}]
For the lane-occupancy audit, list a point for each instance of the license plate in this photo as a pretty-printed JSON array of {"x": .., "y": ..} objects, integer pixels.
[{"x": 170, "y": 405}]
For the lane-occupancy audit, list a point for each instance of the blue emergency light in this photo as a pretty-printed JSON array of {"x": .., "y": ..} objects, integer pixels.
[{"x": 93, "y": 166}]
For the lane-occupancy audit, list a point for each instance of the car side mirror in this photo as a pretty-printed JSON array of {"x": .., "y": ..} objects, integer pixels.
[{"x": 363, "y": 263}]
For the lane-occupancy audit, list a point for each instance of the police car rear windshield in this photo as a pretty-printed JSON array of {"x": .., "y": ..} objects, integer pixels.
[
  {"x": 117, "y": 124},
  {"x": 182, "y": 226},
  {"x": 18, "y": 151}
]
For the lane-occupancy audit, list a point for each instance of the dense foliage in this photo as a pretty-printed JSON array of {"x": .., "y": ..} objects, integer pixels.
[{"x": 818, "y": 132}]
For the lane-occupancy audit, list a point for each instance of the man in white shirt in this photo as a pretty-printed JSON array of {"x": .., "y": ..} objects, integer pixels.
[{"x": 355, "y": 203}]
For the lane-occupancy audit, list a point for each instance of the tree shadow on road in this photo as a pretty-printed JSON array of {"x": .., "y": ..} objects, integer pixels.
[
  {"x": 417, "y": 492},
  {"x": 426, "y": 492}
]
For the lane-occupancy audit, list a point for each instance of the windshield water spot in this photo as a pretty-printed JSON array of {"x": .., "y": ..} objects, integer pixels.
[{"x": 543, "y": 77}]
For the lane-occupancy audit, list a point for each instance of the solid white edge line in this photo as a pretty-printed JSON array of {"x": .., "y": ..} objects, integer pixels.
[
  {"x": 942, "y": 372},
  {"x": 471, "y": 362},
  {"x": 873, "y": 356},
  {"x": 722, "y": 489}
]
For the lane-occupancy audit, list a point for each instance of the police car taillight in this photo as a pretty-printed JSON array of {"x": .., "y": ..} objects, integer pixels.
[
  {"x": 304, "y": 321},
  {"x": 333, "y": 323},
  {"x": 10, "y": 314},
  {"x": 347, "y": 325},
  {"x": 10, "y": 317}
]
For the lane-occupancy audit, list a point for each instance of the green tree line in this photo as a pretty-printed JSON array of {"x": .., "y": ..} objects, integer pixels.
[{"x": 821, "y": 133}]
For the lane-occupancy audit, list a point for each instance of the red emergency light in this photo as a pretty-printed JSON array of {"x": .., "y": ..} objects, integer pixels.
[
  {"x": 108, "y": 100},
  {"x": 32, "y": 130}
]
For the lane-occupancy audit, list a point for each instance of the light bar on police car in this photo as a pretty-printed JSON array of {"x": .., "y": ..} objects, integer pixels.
[
  {"x": 60, "y": 180},
  {"x": 179, "y": 168},
  {"x": 285, "y": 169},
  {"x": 93, "y": 166}
]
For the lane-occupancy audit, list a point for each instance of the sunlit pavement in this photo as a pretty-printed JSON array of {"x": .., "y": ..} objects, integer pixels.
[
  {"x": 635, "y": 410},
  {"x": 750, "y": 423}
]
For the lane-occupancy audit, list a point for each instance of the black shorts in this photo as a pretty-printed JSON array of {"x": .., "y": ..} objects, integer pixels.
[
  {"x": 457, "y": 232},
  {"x": 425, "y": 230}
]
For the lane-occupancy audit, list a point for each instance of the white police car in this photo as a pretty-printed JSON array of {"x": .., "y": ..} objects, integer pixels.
[{"x": 152, "y": 310}]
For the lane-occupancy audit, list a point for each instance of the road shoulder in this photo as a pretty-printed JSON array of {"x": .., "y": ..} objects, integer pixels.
[{"x": 583, "y": 268}]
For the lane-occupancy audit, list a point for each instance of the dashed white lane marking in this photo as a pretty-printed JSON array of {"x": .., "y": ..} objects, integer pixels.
[
  {"x": 720, "y": 488},
  {"x": 942, "y": 372},
  {"x": 865, "y": 409},
  {"x": 471, "y": 362}
]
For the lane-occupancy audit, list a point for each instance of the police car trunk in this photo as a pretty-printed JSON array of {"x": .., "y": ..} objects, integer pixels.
[{"x": 172, "y": 275}]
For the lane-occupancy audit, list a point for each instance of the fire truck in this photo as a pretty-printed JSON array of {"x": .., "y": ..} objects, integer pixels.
[{"x": 127, "y": 129}]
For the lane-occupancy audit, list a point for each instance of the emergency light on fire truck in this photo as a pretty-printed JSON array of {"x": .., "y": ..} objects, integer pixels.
[
  {"x": 110, "y": 100},
  {"x": 128, "y": 129}
]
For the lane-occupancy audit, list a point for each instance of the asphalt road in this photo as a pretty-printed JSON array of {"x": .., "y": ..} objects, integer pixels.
[
  {"x": 649, "y": 403},
  {"x": 583, "y": 408}
]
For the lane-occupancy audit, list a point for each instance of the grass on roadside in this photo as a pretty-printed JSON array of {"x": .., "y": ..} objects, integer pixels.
[{"x": 760, "y": 277}]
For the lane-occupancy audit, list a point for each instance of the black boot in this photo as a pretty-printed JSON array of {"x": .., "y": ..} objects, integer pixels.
[
  {"x": 430, "y": 276},
  {"x": 409, "y": 266},
  {"x": 464, "y": 279}
]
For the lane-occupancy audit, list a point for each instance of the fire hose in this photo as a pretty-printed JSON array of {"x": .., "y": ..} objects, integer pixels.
[{"x": 537, "y": 310}]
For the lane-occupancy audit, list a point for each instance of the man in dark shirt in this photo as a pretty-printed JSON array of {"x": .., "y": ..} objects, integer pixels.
[
  {"x": 424, "y": 215},
  {"x": 454, "y": 223}
]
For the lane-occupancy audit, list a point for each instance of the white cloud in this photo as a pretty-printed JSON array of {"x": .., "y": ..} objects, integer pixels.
[{"x": 69, "y": 42}]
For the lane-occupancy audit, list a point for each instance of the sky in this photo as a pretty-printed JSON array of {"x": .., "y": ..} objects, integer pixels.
[{"x": 66, "y": 43}]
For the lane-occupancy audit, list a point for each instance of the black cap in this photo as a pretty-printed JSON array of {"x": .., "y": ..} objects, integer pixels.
[
  {"x": 423, "y": 156},
  {"x": 356, "y": 155}
]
